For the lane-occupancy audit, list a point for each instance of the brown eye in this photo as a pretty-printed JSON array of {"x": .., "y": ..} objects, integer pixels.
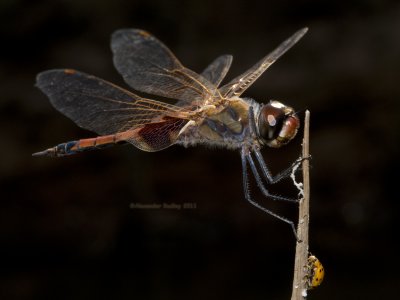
[
  {"x": 270, "y": 122},
  {"x": 277, "y": 124}
]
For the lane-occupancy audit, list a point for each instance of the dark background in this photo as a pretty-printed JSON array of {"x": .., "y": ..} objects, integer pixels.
[{"x": 66, "y": 227}]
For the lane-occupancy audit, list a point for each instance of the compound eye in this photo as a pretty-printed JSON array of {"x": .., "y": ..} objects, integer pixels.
[
  {"x": 289, "y": 129},
  {"x": 277, "y": 124},
  {"x": 270, "y": 122}
]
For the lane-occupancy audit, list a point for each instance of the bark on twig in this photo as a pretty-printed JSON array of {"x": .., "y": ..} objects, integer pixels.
[{"x": 299, "y": 290}]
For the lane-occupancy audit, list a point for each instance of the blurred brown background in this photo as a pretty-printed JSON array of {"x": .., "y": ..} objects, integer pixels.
[{"x": 66, "y": 227}]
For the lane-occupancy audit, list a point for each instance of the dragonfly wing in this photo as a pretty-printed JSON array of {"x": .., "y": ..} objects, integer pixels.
[
  {"x": 239, "y": 84},
  {"x": 214, "y": 73},
  {"x": 102, "y": 107},
  {"x": 147, "y": 65},
  {"x": 158, "y": 135},
  {"x": 217, "y": 70}
]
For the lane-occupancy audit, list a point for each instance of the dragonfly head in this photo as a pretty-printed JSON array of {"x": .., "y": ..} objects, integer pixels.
[{"x": 277, "y": 124}]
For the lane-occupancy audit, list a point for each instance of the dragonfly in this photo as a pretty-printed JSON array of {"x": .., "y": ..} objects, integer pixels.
[{"x": 204, "y": 112}]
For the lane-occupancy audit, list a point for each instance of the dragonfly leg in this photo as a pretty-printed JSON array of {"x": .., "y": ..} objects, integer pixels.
[
  {"x": 261, "y": 185},
  {"x": 244, "y": 158},
  {"x": 266, "y": 172}
]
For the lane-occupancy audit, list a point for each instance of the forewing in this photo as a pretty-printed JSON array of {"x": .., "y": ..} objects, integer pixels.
[
  {"x": 238, "y": 85},
  {"x": 102, "y": 107},
  {"x": 147, "y": 65}
]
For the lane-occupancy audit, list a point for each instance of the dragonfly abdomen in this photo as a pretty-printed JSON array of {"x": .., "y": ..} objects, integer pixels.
[{"x": 74, "y": 147}]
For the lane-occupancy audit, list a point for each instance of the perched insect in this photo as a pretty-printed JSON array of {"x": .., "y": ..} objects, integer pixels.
[
  {"x": 203, "y": 114},
  {"x": 315, "y": 272}
]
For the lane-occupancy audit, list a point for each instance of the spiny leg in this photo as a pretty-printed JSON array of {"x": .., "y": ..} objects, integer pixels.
[
  {"x": 261, "y": 184},
  {"x": 248, "y": 197},
  {"x": 267, "y": 174}
]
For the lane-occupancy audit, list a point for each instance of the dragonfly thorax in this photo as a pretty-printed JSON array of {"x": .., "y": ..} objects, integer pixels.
[{"x": 277, "y": 124}]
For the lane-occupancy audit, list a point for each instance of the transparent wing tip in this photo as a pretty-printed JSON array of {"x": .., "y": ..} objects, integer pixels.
[
  {"x": 304, "y": 30},
  {"x": 299, "y": 34}
]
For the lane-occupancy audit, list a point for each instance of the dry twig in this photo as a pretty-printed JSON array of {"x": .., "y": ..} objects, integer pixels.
[{"x": 299, "y": 290}]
